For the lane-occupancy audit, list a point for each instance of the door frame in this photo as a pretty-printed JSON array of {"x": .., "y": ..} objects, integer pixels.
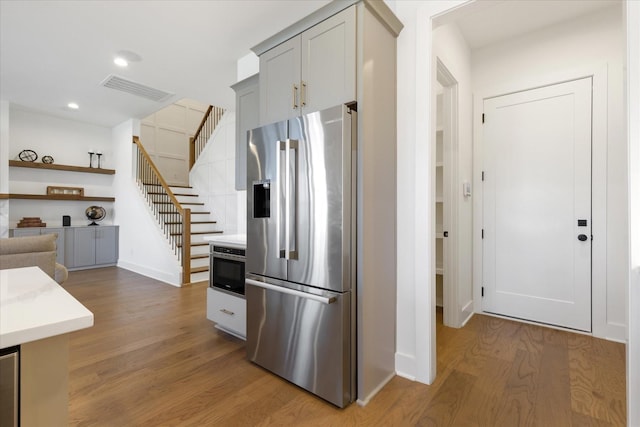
[
  {"x": 451, "y": 316},
  {"x": 632, "y": 111},
  {"x": 599, "y": 74}
]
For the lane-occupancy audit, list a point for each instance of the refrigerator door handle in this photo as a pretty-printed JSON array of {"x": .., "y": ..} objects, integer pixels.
[
  {"x": 281, "y": 197},
  {"x": 281, "y": 289},
  {"x": 291, "y": 203}
]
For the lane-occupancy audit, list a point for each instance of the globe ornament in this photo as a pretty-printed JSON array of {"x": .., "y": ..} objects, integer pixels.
[
  {"x": 28, "y": 156},
  {"x": 95, "y": 213}
]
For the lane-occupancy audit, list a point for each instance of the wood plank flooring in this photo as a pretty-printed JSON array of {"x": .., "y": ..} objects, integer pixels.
[{"x": 153, "y": 359}]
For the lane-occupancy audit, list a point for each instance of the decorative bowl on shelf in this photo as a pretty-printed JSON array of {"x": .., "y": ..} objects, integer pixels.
[{"x": 95, "y": 213}]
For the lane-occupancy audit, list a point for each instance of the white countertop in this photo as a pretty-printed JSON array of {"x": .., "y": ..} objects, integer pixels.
[
  {"x": 33, "y": 306},
  {"x": 232, "y": 240}
]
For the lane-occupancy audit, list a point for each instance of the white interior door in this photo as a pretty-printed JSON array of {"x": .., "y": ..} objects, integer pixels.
[{"x": 537, "y": 205}]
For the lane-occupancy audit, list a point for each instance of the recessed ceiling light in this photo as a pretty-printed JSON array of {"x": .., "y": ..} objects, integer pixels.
[
  {"x": 120, "y": 61},
  {"x": 73, "y": 106}
]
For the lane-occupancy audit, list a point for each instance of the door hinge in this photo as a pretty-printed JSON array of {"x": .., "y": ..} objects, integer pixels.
[
  {"x": 483, "y": 233},
  {"x": 482, "y": 291},
  {"x": 482, "y": 117},
  {"x": 483, "y": 175}
]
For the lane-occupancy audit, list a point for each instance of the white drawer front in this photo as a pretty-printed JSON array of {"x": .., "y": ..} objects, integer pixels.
[{"x": 228, "y": 311}]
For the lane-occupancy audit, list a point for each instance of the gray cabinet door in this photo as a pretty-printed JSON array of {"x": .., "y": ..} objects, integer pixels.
[
  {"x": 106, "y": 245},
  {"x": 280, "y": 82},
  {"x": 59, "y": 242},
  {"x": 247, "y": 118},
  {"x": 329, "y": 62},
  {"x": 84, "y": 246}
]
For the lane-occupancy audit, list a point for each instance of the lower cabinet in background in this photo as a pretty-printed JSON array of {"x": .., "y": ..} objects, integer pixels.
[{"x": 80, "y": 247}]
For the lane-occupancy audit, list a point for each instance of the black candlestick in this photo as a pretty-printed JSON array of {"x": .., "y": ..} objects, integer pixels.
[
  {"x": 99, "y": 155},
  {"x": 90, "y": 159}
]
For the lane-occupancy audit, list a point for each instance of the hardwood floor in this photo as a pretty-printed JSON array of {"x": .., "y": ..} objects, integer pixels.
[{"x": 153, "y": 359}]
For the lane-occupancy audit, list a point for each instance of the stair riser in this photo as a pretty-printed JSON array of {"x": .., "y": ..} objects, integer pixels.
[
  {"x": 200, "y": 262},
  {"x": 199, "y": 250},
  {"x": 200, "y": 277},
  {"x": 204, "y": 227}
]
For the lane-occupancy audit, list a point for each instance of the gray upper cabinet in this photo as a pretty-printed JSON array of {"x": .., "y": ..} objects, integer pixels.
[
  {"x": 311, "y": 71},
  {"x": 247, "y": 118}
]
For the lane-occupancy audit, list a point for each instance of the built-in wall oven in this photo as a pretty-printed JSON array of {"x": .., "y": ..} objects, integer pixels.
[{"x": 227, "y": 268}]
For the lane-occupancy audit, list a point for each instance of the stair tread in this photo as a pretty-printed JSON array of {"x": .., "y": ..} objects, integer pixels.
[
  {"x": 199, "y": 232},
  {"x": 195, "y": 244},
  {"x": 159, "y": 193},
  {"x": 180, "y": 186},
  {"x": 199, "y": 269},
  {"x": 200, "y": 256},
  {"x": 192, "y": 222},
  {"x": 170, "y": 203},
  {"x": 192, "y": 212}
]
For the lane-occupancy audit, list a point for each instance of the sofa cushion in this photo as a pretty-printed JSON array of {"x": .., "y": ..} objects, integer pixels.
[{"x": 39, "y": 251}]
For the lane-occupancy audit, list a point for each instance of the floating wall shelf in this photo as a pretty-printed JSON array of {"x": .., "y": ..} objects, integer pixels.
[
  {"x": 51, "y": 166},
  {"x": 57, "y": 197}
]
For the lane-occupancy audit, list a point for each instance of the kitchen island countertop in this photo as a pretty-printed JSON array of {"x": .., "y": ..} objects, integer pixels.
[{"x": 33, "y": 306}]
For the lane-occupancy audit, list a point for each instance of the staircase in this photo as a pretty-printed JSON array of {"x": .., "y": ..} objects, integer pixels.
[
  {"x": 202, "y": 224},
  {"x": 179, "y": 212}
]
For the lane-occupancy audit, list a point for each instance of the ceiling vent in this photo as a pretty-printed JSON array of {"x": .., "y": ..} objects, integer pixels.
[{"x": 137, "y": 89}]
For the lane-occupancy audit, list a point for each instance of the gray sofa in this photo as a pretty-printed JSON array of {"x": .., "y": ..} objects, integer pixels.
[{"x": 39, "y": 251}]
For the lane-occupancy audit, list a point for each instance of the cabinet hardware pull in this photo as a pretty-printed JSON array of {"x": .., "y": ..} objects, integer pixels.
[
  {"x": 295, "y": 96},
  {"x": 225, "y": 311},
  {"x": 303, "y": 94}
]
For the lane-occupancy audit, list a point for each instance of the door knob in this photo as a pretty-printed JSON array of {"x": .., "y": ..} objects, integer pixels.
[{"x": 582, "y": 237}]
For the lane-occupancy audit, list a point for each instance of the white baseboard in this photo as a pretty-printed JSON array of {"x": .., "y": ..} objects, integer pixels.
[
  {"x": 170, "y": 278},
  {"x": 467, "y": 313},
  {"x": 365, "y": 401},
  {"x": 406, "y": 366}
]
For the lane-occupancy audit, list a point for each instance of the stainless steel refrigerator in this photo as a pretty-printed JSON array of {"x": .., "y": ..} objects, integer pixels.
[{"x": 300, "y": 260}]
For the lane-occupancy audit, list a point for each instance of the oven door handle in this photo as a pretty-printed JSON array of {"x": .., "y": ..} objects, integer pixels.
[{"x": 281, "y": 289}]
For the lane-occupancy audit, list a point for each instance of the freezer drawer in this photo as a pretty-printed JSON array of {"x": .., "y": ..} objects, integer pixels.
[{"x": 306, "y": 341}]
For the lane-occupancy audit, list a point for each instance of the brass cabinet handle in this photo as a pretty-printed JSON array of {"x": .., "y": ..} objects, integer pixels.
[
  {"x": 295, "y": 96},
  {"x": 225, "y": 311},
  {"x": 303, "y": 94}
]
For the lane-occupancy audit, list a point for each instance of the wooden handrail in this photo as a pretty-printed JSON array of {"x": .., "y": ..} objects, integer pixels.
[
  {"x": 177, "y": 228},
  {"x": 176, "y": 203},
  {"x": 207, "y": 125},
  {"x": 202, "y": 122}
]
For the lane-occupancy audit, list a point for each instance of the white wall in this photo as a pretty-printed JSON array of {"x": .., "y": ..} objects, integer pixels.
[
  {"x": 68, "y": 142},
  {"x": 143, "y": 248},
  {"x": 592, "y": 42},
  {"x": 4, "y": 167},
  {"x": 452, "y": 50},
  {"x": 165, "y": 135},
  {"x": 213, "y": 178}
]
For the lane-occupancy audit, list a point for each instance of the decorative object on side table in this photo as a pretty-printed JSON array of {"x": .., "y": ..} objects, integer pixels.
[
  {"x": 47, "y": 159},
  {"x": 95, "y": 213},
  {"x": 65, "y": 191},
  {"x": 31, "y": 221},
  {"x": 28, "y": 156}
]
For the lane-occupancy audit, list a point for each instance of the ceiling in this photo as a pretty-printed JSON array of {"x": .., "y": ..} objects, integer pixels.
[
  {"x": 56, "y": 52},
  {"x": 485, "y": 22}
]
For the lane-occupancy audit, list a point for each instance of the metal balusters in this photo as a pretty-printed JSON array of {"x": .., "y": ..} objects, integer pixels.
[
  {"x": 172, "y": 218},
  {"x": 208, "y": 124}
]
